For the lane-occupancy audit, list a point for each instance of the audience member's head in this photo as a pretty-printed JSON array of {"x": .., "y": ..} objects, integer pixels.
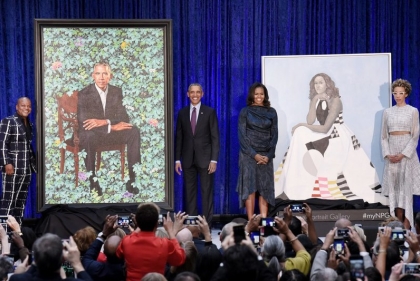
[
  {"x": 360, "y": 231},
  {"x": 208, "y": 262},
  {"x": 147, "y": 216},
  {"x": 240, "y": 263},
  {"x": 326, "y": 274},
  {"x": 373, "y": 274},
  {"x": 395, "y": 224},
  {"x": 153, "y": 276},
  {"x": 392, "y": 254},
  {"x": 161, "y": 232},
  {"x": 388, "y": 220},
  {"x": 273, "y": 253},
  {"x": 110, "y": 248},
  {"x": 28, "y": 237},
  {"x": 187, "y": 276},
  {"x": 342, "y": 223},
  {"x": 5, "y": 267},
  {"x": 306, "y": 242},
  {"x": 84, "y": 237},
  {"x": 190, "y": 257},
  {"x": 293, "y": 275},
  {"x": 184, "y": 235},
  {"x": 118, "y": 232},
  {"x": 410, "y": 277},
  {"x": 226, "y": 230},
  {"x": 48, "y": 253},
  {"x": 295, "y": 226}
]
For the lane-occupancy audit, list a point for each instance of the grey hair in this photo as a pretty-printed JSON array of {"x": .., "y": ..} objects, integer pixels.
[
  {"x": 273, "y": 247},
  {"x": 194, "y": 84},
  {"x": 226, "y": 230},
  {"x": 326, "y": 274}
]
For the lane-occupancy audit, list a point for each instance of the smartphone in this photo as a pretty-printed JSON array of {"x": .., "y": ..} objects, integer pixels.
[
  {"x": 160, "y": 220},
  {"x": 398, "y": 235},
  {"x": 297, "y": 208},
  {"x": 239, "y": 233},
  {"x": 381, "y": 229},
  {"x": 255, "y": 237},
  {"x": 124, "y": 221},
  {"x": 339, "y": 246},
  {"x": 357, "y": 267},
  {"x": 68, "y": 269},
  {"x": 411, "y": 268},
  {"x": 191, "y": 220},
  {"x": 344, "y": 233},
  {"x": 267, "y": 229}
]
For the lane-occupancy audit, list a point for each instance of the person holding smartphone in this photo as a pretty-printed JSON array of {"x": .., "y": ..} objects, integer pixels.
[{"x": 302, "y": 261}]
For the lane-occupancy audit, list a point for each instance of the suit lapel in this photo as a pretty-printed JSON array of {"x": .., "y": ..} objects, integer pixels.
[{"x": 19, "y": 124}]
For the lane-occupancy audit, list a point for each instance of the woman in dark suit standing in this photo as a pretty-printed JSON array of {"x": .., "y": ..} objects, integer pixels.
[{"x": 258, "y": 134}]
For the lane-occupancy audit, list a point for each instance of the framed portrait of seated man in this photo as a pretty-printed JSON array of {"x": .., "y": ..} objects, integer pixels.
[{"x": 104, "y": 112}]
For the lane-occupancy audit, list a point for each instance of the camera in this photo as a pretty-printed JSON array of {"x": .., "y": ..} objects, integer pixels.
[
  {"x": 297, "y": 208},
  {"x": 239, "y": 233},
  {"x": 255, "y": 237},
  {"x": 267, "y": 229},
  {"x": 124, "y": 221},
  {"x": 339, "y": 246},
  {"x": 344, "y": 233},
  {"x": 411, "y": 268},
  {"x": 357, "y": 267},
  {"x": 191, "y": 220}
]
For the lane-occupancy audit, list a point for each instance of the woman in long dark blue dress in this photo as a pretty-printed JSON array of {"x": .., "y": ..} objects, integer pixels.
[{"x": 257, "y": 133}]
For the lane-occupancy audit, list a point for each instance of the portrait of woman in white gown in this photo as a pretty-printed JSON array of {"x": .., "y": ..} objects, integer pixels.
[{"x": 325, "y": 159}]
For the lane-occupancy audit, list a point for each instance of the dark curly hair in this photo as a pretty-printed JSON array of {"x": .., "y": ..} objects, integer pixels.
[
  {"x": 402, "y": 83},
  {"x": 251, "y": 92},
  {"x": 332, "y": 91}
]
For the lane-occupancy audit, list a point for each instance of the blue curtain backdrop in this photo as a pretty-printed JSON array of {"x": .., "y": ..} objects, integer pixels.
[{"x": 219, "y": 44}]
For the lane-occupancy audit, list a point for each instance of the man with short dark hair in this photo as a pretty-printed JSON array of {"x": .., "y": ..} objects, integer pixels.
[
  {"x": 49, "y": 252},
  {"x": 143, "y": 252}
]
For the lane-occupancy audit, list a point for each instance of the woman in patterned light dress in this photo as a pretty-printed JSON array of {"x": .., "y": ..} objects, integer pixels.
[
  {"x": 325, "y": 159},
  {"x": 257, "y": 133},
  {"x": 400, "y": 135}
]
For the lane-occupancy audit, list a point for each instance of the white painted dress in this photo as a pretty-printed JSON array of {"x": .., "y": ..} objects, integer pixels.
[
  {"x": 330, "y": 165},
  {"x": 401, "y": 180}
]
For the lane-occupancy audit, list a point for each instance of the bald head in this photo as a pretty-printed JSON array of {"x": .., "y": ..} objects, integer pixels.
[
  {"x": 111, "y": 245},
  {"x": 226, "y": 230},
  {"x": 184, "y": 235},
  {"x": 343, "y": 223}
]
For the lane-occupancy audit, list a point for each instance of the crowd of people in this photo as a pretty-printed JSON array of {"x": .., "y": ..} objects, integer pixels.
[{"x": 175, "y": 251}]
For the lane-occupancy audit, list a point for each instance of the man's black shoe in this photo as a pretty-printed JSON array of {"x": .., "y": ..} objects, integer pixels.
[
  {"x": 130, "y": 188},
  {"x": 94, "y": 185}
]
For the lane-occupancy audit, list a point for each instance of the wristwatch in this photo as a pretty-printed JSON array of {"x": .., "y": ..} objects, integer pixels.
[{"x": 101, "y": 235}]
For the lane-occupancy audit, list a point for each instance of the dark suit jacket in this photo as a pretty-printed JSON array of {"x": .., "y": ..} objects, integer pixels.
[
  {"x": 32, "y": 275},
  {"x": 99, "y": 270},
  {"x": 89, "y": 106},
  {"x": 204, "y": 143},
  {"x": 15, "y": 147}
]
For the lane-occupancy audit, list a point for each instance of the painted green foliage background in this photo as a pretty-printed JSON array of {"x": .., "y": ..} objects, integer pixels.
[{"x": 136, "y": 56}]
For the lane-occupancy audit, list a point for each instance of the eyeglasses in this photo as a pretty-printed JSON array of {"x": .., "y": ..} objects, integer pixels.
[{"x": 395, "y": 93}]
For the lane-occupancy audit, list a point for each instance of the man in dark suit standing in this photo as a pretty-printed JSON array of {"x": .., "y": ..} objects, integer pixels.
[
  {"x": 103, "y": 120},
  {"x": 197, "y": 151},
  {"x": 17, "y": 159}
]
